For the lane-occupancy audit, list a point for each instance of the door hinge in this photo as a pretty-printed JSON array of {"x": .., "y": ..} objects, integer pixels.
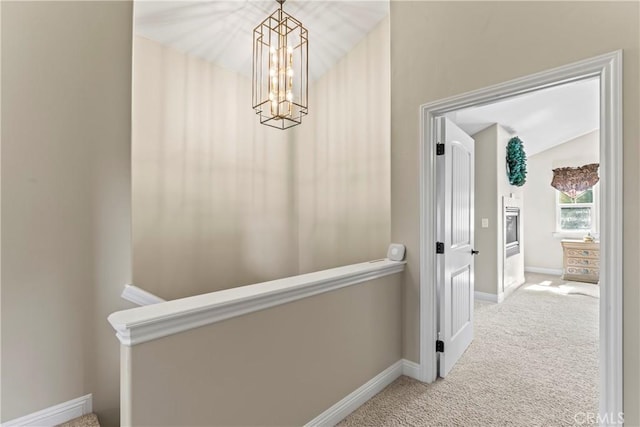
[
  {"x": 440, "y": 346},
  {"x": 439, "y": 247},
  {"x": 439, "y": 149}
]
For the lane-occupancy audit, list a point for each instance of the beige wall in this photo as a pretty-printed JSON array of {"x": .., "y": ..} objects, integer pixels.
[
  {"x": 222, "y": 201},
  {"x": 66, "y": 78},
  {"x": 343, "y": 162},
  {"x": 492, "y": 270},
  {"x": 0, "y": 213},
  {"x": 440, "y": 49},
  {"x": 278, "y": 367},
  {"x": 66, "y": 169},
  {"x": 543, "y": 249},
  {"x": 486, "y": 206},
  {"x": 58, "y": 268},
  {"x": 213, "y": 190}
]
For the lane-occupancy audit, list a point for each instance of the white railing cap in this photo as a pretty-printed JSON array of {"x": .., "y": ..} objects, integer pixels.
[{"x": 141, "y": 324}]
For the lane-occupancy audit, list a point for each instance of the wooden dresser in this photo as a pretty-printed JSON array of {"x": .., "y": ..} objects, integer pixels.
[{"x": 581, "y": 261}]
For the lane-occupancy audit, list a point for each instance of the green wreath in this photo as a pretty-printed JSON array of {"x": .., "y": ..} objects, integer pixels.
[{"x": 516, "y": 162}]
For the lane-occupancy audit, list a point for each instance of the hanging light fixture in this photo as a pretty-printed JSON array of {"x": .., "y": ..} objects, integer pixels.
[{"x": 280, "y": 70}]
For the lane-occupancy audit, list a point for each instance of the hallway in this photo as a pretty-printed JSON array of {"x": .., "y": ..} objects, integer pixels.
[{"x": 533, "y": 361}]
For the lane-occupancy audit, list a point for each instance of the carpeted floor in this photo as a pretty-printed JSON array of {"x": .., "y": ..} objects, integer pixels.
[{"x": 533, "y": 362}]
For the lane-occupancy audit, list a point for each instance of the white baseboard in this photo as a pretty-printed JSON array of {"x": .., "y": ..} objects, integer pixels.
[
  {"x": 410, "y": 369},
  {"x": 353, "y": 401},
  {"x": 483, "y": 296},
  {"x": 512, "y": 288},
  {"x": 541, "y": 270},
  {"x": 55, "y": 415}
]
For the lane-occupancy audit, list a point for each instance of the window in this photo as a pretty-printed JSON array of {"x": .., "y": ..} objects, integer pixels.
[{"x": 577, "y": 214}]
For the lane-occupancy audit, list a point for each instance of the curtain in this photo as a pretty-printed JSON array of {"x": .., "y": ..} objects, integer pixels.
[{"x": 575, "y": 181}]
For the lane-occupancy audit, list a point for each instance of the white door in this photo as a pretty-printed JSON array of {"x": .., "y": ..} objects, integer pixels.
[{"x": 455, "y": 230}]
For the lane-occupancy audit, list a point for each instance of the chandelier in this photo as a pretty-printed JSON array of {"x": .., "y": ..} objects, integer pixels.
[{"x": 280, "y": 70}]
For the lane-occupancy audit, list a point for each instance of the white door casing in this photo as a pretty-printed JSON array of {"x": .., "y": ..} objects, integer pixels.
[
  {"x": 608, "y": 67},
  {"x": 455, "y": 171}
]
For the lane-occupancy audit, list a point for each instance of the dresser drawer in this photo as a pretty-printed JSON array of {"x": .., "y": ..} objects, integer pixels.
[
  {"x": 582, "y": 253},
  {"x": 582, "y": 271},
  {"x": 583, "y": 262}
]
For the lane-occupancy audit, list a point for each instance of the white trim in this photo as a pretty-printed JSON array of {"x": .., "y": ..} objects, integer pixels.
[
  {"x": 139, "y": 296},
  {"x": 55, "y": 415},
  {"x": 142, "y": 324},
  {"x": 542, "y": 270},
  {"x": 608, "y": 68},
  {"x": 354, "y": 400},
  {"x": 484, "y": 296},
  {"x": 428, "y": 206},
  {"x": 511, "y": 289},
  {"x": 410, "y": 369},
  {"x": 611, "y": 237}
]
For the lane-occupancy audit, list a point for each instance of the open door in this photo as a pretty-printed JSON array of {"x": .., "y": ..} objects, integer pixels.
[{"x": 455, "y": 229}]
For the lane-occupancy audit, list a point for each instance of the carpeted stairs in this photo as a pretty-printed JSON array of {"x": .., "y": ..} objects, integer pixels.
[{"x": 89, "y": 420}]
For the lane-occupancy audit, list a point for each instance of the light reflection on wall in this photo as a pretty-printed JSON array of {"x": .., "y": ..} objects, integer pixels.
[
  {"x": 344, "y": 158},
  {"x": 221, "y": 201}
]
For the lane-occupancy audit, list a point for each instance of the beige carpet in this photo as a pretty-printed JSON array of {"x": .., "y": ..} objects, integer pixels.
[
  {"x": 533, "y": 362},
  {"x": 89, "y": 420}
]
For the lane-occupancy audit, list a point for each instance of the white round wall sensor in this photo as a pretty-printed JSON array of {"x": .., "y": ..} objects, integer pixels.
[{"x": 396, "y": 252}]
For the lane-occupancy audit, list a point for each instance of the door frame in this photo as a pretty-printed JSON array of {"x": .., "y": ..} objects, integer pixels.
[{"x": 608, "y": 68}]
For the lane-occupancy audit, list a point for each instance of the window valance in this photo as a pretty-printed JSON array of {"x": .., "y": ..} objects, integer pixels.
[{"x": 575, "y": 181}]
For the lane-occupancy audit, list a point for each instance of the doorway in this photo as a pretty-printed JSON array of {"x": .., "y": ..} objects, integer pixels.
[{"x": 608, "y": 69}]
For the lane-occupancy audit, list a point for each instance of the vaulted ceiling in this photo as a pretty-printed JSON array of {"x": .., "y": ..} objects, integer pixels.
[
  {"x": 541, "y": 119},
  {"x": 222, "y": 31}
]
